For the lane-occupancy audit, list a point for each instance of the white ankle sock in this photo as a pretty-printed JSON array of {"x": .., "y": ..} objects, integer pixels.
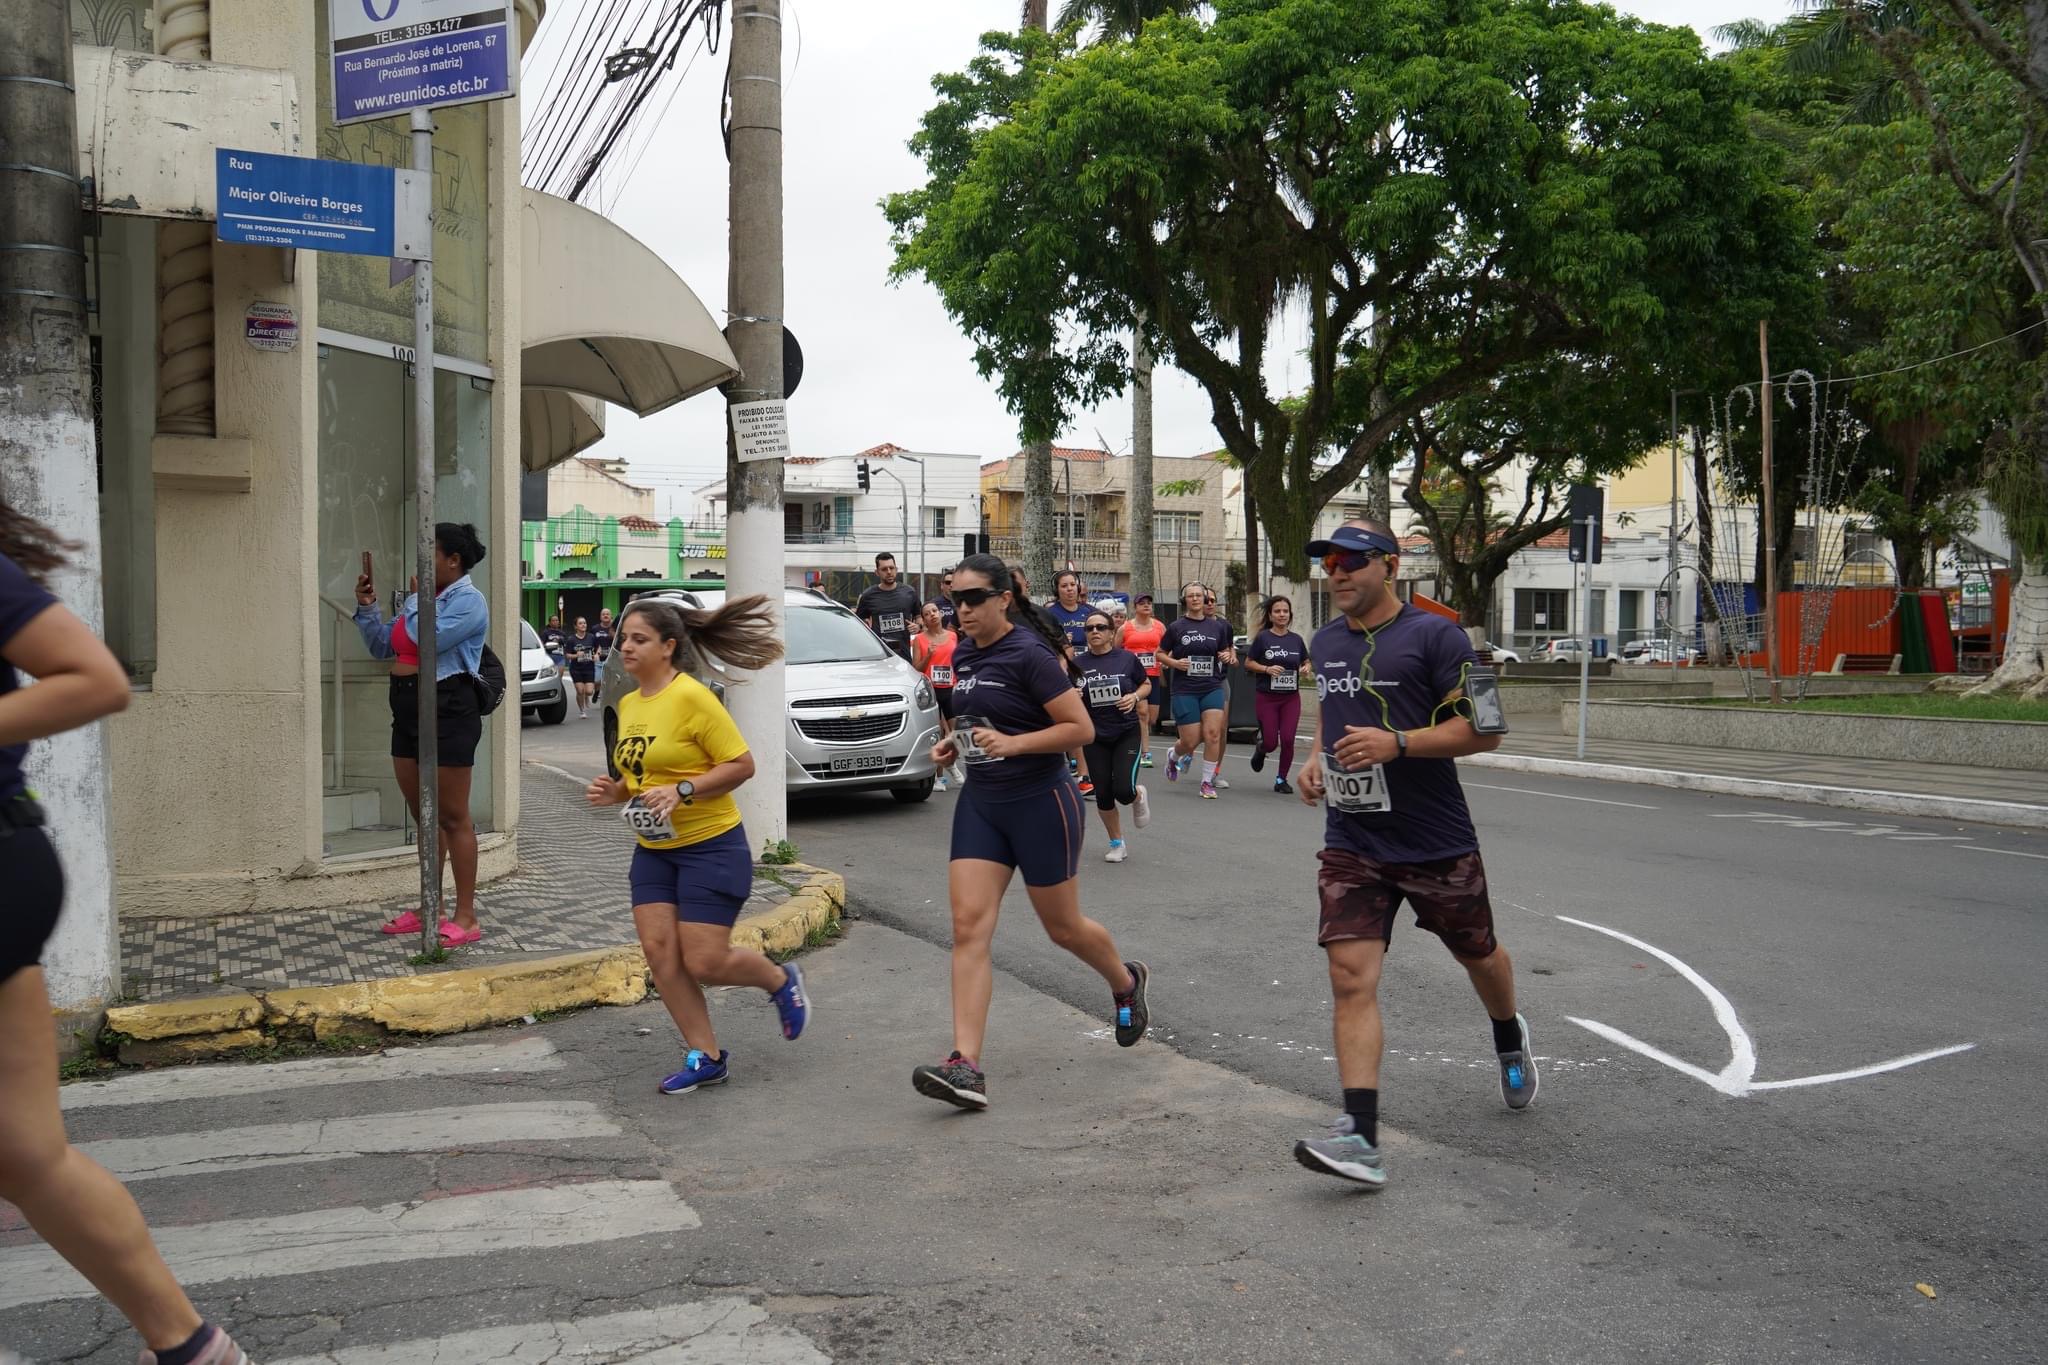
[{"x": 1209, "y": 771}]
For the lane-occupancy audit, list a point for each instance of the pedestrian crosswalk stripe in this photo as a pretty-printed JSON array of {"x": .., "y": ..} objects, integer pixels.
[
  {"x": 289, "y": 1144},
  {"x": 399, "y": 1064},
  {"x": 554, "y": 1217},
  {"x": 711, "y": 1331}
]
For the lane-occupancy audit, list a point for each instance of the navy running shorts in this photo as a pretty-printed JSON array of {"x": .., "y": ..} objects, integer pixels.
[
  {"x": 707, "y": 882},
  {"x": 35, "y": 893},
  {"x": 1189, "y": 706},
  {"x": 1039, "y": 835}
]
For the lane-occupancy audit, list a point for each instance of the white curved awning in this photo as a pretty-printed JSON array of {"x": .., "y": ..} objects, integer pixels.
[
  {"x": 605, "y": 317},
  {"x": 147, "y": 126},
  {"x": 554, "y": 425}
]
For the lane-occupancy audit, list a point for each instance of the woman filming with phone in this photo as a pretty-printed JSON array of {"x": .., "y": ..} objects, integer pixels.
[{"x": 462, "y": 620}]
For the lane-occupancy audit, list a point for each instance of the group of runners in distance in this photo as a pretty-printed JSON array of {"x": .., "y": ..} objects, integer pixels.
[{"x": 1032, "y": 695}]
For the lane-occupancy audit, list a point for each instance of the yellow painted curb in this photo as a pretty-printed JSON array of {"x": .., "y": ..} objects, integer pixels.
[{"x": 452, "y": 1001}]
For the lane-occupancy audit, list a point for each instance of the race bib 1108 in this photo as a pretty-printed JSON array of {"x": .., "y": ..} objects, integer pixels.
[{"x": 892, "y": 624}]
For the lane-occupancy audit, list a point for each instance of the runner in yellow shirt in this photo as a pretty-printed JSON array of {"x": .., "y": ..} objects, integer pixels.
[{"x": 680, "y": 758}]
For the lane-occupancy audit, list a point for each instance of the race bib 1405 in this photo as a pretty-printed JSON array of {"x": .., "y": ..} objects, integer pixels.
[{"x": 1286, "y": 682}]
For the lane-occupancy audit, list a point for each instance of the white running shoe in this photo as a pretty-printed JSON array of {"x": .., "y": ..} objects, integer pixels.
[
  {"x": 1141, "y": 809},
  {"x": 1118, "y": 851},
  {"x": 1222, "y": 782}
]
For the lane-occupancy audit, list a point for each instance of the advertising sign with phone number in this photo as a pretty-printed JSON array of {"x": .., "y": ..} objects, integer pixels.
[{"x": 393, "y": 56}]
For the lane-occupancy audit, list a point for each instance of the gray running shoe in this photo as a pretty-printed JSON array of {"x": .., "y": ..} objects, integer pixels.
[
  {"x": 956, "y": 1080},
  {"x": 1518, "y": 1071},
  {"x": 1132, "y": 1016},
  {"x": 1344, "y": 1154}
]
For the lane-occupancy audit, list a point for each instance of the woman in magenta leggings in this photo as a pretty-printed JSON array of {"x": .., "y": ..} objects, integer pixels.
[{"x": 1277, "y": 658}]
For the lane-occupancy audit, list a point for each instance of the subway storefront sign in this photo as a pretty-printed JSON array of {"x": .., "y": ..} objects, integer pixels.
[{"x": 565, "y": 549}]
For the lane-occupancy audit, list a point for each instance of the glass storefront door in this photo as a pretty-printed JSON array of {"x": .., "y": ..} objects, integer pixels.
[{"x": 366, "y": 506}]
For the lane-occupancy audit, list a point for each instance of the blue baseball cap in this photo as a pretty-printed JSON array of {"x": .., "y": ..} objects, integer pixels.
[{"x": 1354, "y": 538}]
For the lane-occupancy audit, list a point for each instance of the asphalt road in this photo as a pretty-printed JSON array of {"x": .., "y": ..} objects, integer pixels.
[
  {"x": 543, "y": 1204},
  {"x": 1836, "y": 945}
]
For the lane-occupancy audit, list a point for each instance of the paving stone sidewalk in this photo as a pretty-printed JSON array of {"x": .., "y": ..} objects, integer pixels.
[{"x": 569, "y": 894}]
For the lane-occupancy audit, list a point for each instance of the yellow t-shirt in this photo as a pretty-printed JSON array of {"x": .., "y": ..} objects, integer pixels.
[{"x": 680, "y": 732}]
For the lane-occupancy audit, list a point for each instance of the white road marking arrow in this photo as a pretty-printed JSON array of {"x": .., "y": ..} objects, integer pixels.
[{"x": 1738, "y": 1078}]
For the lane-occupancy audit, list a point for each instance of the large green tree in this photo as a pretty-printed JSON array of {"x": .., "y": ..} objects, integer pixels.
[{"x": 1447, "y": 191}]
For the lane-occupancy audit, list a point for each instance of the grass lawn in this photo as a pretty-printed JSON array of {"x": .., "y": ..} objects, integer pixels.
[{"x": 1937, "y": 705}]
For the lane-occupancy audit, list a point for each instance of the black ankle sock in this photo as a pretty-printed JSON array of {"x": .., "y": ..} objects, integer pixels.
[
  {"x": 1364, "y": 1108},
  {"x": 189, "y": 1352},
  {"x": 1507, "y": 1035}
]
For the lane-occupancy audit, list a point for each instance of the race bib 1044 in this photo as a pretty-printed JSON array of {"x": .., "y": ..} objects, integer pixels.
[
  {"x": 1359, "y": 792},
  {"x": 1105, "y": 691},
  {"x": 655, "y": 829},
  {"x": 1202, "y": 666},
  {"x": 1286, "y": 682}
]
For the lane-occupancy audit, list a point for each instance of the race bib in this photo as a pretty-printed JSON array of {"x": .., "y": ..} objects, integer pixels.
[
  {"x": 1363, "y": 792},
  {"x": 942, "y": 675},
  {"x": 892, "y": 624},
  {"x": 1147, "y": 662},
  {"x": 1286, "y": 682},
  {"x": 1202, "y": 666},
  {"x": 645, "y": 823},
  {"x": 1105, "y": 691},
  {"x": 963, "y": 736}
]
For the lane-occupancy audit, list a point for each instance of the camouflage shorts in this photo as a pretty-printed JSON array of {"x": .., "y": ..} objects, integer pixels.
[{"x": 1360, "y": 898}]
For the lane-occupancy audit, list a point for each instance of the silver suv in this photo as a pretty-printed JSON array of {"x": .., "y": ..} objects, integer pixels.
[{"x": 859, "y": 718}]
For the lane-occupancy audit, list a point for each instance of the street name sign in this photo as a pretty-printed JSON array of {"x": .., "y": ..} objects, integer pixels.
[
  {"x": 393, "y": 56},
  {"x": 263, "y": 199}
]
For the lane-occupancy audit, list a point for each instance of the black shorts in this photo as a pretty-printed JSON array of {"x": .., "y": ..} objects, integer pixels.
[
  {"x": 1361, "y": 896},
  {"x": 1039, "y": 835},
  {"x": 582, "y": 673},
  {"x": 945, "y": 697},
  {"x": 35, "y": 893},
  {"x": 459, "y": 726}
]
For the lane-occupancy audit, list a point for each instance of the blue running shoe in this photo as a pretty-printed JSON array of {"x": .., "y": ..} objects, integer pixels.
[
  {"x": 1518, "y": 1071},
  {"x": 699, "y": 1069},
  {"x": 1344, "y": 1154},
  {"x": 1175, "y": 767},
  {"x": 791, "y": 1003}
]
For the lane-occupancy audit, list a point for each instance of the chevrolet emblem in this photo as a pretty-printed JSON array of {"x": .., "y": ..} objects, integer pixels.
[{"x": 854, "y": 713}]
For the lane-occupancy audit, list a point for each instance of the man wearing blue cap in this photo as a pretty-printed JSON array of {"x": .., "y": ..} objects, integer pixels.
[{"x": 1390, "y": 684}]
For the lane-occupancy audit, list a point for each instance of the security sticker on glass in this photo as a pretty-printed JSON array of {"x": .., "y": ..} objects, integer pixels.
[
  {"x": 1359, "y": 791},
  {"x": 1482, "y": 691}
]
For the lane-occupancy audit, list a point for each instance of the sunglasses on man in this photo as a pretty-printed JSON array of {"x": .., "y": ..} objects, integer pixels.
[{"x": 1349, "y": 561}]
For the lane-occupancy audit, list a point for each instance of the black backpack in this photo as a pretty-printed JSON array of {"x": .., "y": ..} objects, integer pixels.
[{"x": 489, "y": 681}]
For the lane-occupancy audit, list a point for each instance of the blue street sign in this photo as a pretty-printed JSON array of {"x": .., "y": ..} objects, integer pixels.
[
  {"x": 300, "y": 201},
  {"x": 391, "y": 56}
]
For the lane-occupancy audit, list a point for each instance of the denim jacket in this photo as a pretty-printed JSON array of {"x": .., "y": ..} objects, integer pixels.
[{"x": 462, "y": 619}]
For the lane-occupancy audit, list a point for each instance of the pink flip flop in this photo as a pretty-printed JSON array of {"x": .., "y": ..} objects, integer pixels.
[
  {"x": 454, "y": 935},
  {"x": 406, "y": 923}
]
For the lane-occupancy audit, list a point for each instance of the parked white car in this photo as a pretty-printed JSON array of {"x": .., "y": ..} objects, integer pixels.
[
  {"x": 543, "y": 688},
  {"x": 1502, "y": 654},
  {"x": 1562, "y": 651}
]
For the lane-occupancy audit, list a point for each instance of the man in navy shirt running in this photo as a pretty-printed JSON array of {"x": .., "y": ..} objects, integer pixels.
[{"x": 1390, "y": 683}]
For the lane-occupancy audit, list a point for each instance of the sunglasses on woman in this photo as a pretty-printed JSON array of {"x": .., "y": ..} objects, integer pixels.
[
  {"x": 973, "y": 597},
  {"x": 1094, "y": 629}
]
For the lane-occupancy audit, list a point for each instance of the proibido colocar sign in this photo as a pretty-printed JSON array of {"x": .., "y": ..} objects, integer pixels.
[{"x": 393, "y": 56}]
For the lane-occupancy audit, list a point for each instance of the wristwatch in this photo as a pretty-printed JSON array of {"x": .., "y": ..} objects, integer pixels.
[
  {"x": 686, "y": 792},
  {"x": 1401, "y": 742}
]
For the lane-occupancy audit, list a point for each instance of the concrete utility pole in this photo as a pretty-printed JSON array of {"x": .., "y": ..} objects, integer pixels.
[
  {"x": 1037, "y": 531},
  {"x": 47, "y": 458},
  {"x": 754, "y": 326},
  {"x": 1143, "y": 568}
]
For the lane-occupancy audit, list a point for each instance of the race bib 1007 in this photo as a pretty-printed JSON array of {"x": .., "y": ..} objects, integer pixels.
[
  {"x": 1105, "y": 692},
  {"x": 1202, "y": 666},
  {"x": 1286, "y": 682},
  {"x": 645, "y": 823},
  {"x": 1360, "y": 792}
]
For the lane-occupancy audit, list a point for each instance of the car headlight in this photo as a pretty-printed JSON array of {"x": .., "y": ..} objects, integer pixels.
[
  {"x": 547, "y": 671},
  {"x": 923, "y": 696}
]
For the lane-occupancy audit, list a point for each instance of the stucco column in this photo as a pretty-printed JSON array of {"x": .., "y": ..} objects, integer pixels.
[{"x": 184, "y": 29}]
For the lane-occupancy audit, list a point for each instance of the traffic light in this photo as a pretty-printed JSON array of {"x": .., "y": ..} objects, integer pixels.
[
  {"x": 867, "y": 479},
  {"x": 1586, "y": 503}
]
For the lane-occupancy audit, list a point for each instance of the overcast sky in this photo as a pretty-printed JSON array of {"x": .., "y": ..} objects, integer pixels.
[{"x": 882, "y": 363}]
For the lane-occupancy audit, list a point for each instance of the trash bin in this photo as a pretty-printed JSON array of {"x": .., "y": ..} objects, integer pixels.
[
  {"x": 1599, "y": 646},
  {"x": 1241, "y": 711}
]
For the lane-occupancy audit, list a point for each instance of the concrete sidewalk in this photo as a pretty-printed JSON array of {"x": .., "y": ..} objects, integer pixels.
[{"x": 557, "y": 934}]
